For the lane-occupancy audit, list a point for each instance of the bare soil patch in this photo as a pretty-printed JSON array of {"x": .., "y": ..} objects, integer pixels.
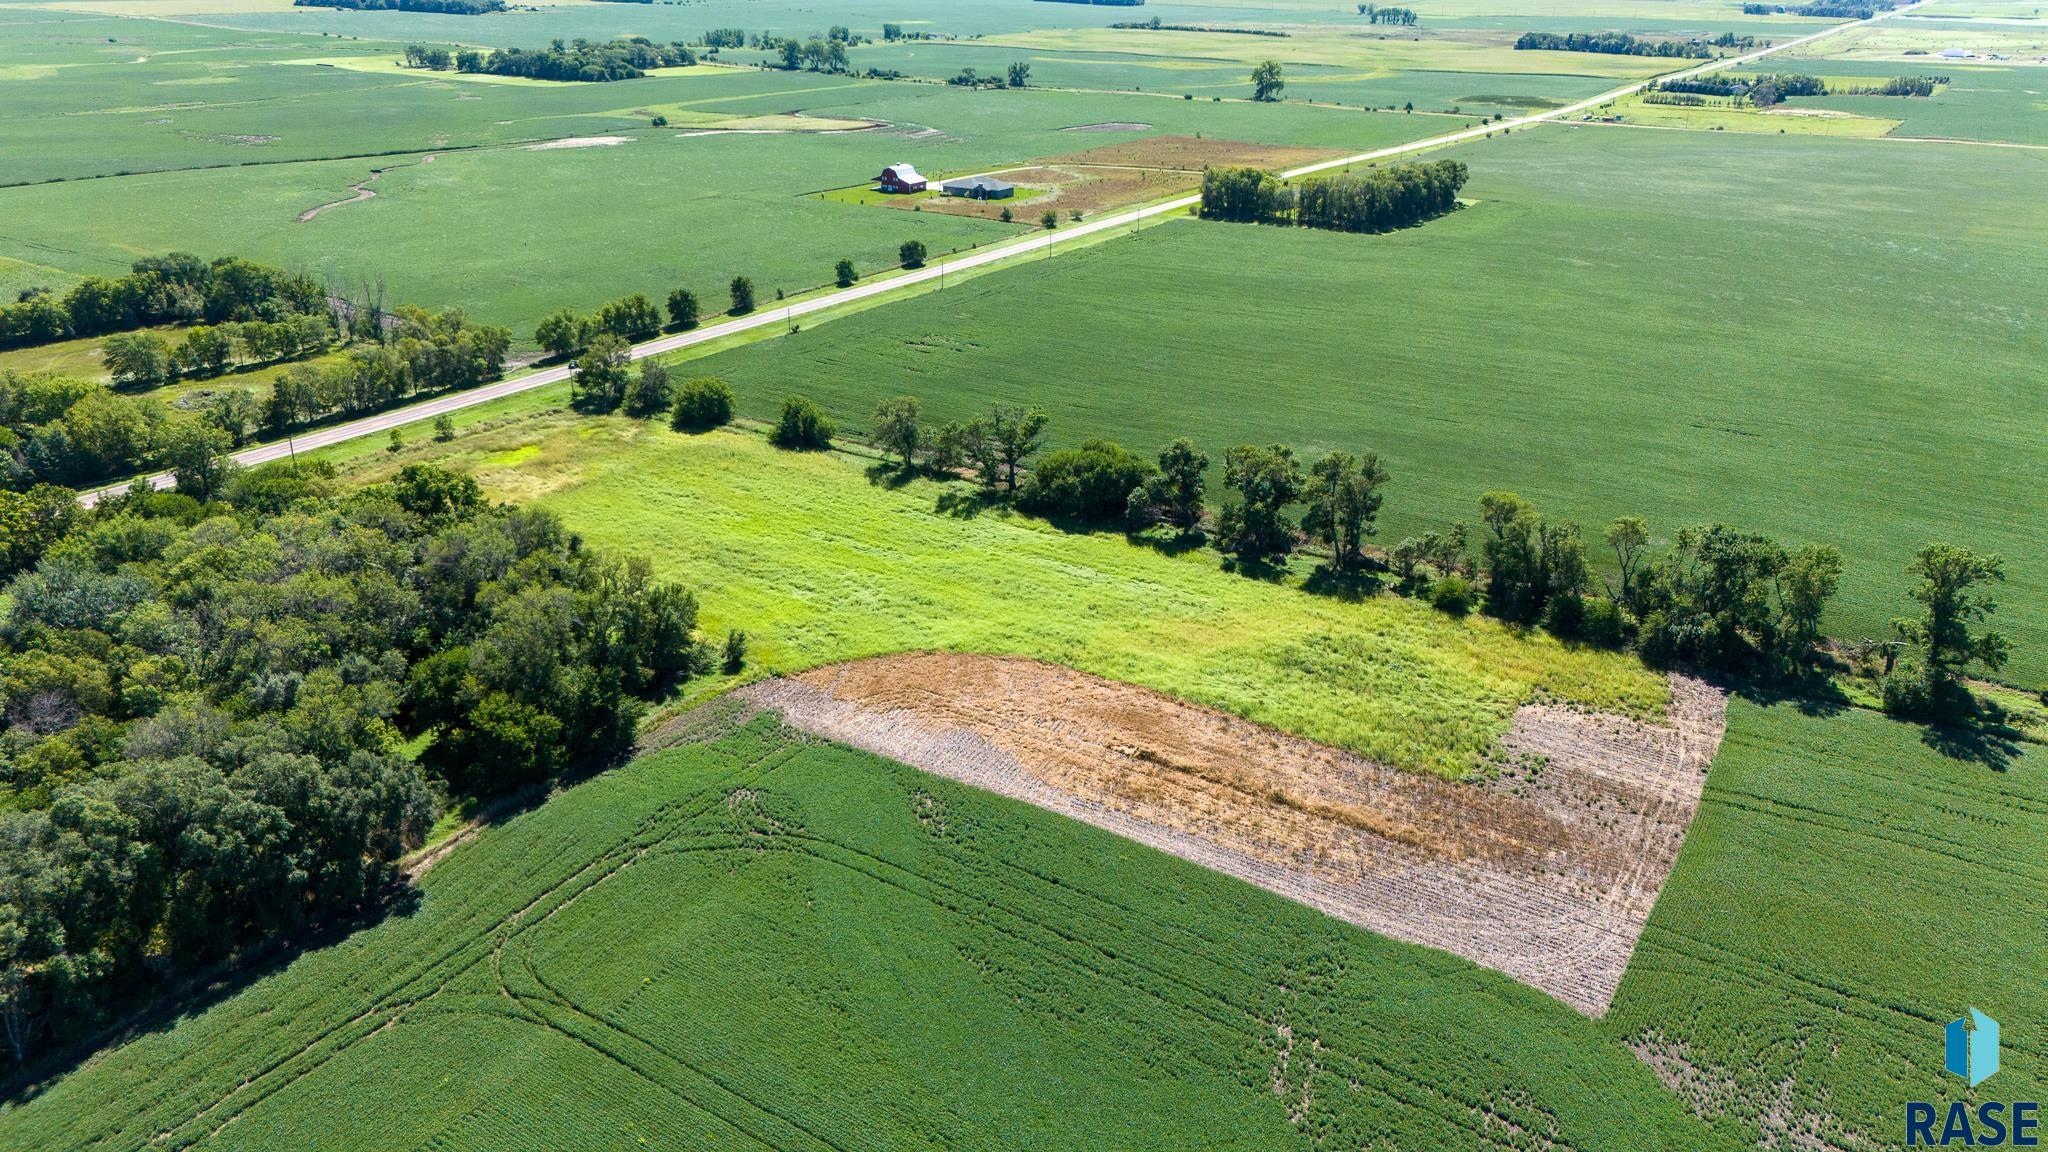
[
  {"x": 579, "y": 142},
  {"x": 1546, "y": 874}
]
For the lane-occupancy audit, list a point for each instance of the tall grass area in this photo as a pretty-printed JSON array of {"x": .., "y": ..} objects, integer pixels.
[
  {"x": 1846, "y": 891},
  {"x": 765, "y": 942},
  {"x": 818, "y": 565},
  {"x": 1805, "y": 337}
]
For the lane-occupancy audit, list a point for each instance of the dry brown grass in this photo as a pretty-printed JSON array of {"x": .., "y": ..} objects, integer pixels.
[{"x": 1546, "y": 874}]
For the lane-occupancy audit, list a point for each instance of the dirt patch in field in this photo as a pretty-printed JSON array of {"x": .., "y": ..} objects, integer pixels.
[
  {"x": 1546, "y": 873},
  {"x": 579, "y": 142}
]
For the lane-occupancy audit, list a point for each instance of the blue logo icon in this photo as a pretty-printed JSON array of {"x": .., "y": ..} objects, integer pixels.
[{"x": 1972, "y": 1047}]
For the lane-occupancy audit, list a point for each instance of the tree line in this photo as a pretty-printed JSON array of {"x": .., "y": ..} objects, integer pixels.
[
  {"x": 1763, "y": 91},
  {"x": 1611, "y": 43},
  {"x": 575, "y": 60},
  {"x": 56, "y": 429},
  {"x": 1824, "y": 9},
  {"x": 176, "y": 289},
  {"x": 145, "y": 360},
  {"x": 443, "y": 7},
  {"x": 1156, "y": 25},
  {"x": 1379, "y": 199},
  {"x": 1375, "y": 14},
  {"x": 209, "y": 701}
]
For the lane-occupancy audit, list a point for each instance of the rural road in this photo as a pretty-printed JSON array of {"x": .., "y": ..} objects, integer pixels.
[{"x": 1043, "y": 241}]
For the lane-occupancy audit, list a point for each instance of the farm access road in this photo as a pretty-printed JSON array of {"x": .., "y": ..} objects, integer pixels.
[{"x": 787, "y": 314}]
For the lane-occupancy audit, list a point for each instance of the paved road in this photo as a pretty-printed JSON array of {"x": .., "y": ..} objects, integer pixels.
[{"x": 1042, "y": 241}]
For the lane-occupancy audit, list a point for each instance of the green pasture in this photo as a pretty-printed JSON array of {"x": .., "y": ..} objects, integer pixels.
[
  {"x": 818, "y": 565},
  {"x": 1848, "y": 888},
  {"x": 766, "y": 942},
  {"x": 1828, "y": 340}
]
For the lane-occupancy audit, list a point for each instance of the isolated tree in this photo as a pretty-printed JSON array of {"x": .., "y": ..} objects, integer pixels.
[
  {"x": 1629, "y": 538},
  {"x": 629, "y": 318},
  {"x": 562, "y": 333},
  {"x": 802, "y": 425},
  {"x": 196, "y": 453},
  {"x": 911, "y": 254},
  {"x": 206, "y": 351},
  {"x": 1177, "y": 490},
  {"x": 742, "y": 295},
  {"x": 1941, "y": 637},
  {"x": 898, "y": 430},
  {"x": 649, "y": 391},
  {"x": 1343, "y": 495},
  {"x": 1254, "y": 528},
  {"x": 1266, "y": 81},
  {"x": 844, "y": 274},
  {"x": 599, "y": 384},
  {"x": 1001, "y": 442},
  {"x": 702, "y": 403},
  {"x": 137, "y": 359},
  {"x": 682, "y": 308},
  {"x": 444, "y": 428},
  {"x": 1020, "y": 72}
]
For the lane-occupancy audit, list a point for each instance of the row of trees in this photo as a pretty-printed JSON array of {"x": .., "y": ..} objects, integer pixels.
[
  {"x": 1375, "y": 14},
  {"x": 1611, "y": 43},
  {"x": 442, "y": 7},
  {"x": 1823, "y": 9},
  {"x": 1379, "y": 199},
  {"x": 207, "y": 707},
  {"x": 579, "y": 59},
  {"x": 144, "y": 360},
  {"x": 176, "y": 289},
  {"x": 421, "y": 354}
]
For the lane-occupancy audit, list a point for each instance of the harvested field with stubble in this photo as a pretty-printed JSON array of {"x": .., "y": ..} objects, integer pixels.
[{"x": 1546, "y": 872}]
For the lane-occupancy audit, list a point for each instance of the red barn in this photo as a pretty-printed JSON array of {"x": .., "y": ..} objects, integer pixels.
[{"x": 901, "y": 178}]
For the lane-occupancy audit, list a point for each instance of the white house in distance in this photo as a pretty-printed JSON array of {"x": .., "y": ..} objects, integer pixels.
[{"x": 901, "y": 178}]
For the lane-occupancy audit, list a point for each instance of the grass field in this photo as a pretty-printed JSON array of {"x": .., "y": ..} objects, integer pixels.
[
  {"x": 817, "y": 565},
  {"x": 1801, "y": 335},
  {"x": 672, "y": 212},
  {"x": 1777, "y": 983},
  {"x": 766, "y": 943}
]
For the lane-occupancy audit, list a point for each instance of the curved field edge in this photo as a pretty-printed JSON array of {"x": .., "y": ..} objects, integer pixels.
[
  {"x": 819, "y": 564},
  {"x": 1850, "y": 884},
  {"x": 766, "y": 941}
]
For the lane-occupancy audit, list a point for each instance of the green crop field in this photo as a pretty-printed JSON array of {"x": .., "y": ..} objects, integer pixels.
[
  {"x": 1845, "y": 892},
  {"x": 818, "y": 566},
  {"x": 1689, "y": 326},
  {"x": 769, "y": 943},
  {"x": 577, "y": 226}
]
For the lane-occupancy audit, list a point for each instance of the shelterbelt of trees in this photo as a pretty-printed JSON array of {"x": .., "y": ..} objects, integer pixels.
[
  {"x": 176, "y": 289},
  {"x": 57, "y": 429},
  {"x": 208, "y": 706},
  {"x": 442, "y": 7},
  {"x": 578, "y": 60},
  {"x": 1617, "y": 44},
  {"x": 1373, "y": 201}
]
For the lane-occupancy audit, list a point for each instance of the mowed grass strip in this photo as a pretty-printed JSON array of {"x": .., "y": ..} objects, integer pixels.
[
  {"x": 763, "y": 942},
  {"x": 818, "y": 565},
  {"x": 1801, "y": 336}
]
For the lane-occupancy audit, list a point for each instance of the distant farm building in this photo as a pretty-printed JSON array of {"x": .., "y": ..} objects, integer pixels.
[
  {"x": 901, "y": 178},
  {"x": 980, "y": 188}
]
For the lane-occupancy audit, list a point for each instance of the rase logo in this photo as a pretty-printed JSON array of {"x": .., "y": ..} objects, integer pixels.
[{"x": 1971, "y": 1052}]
